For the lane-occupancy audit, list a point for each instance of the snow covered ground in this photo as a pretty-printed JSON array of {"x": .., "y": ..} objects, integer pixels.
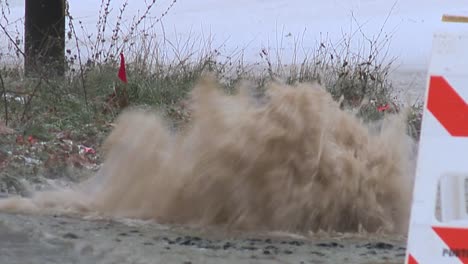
[{"x": 255, "y": 24}]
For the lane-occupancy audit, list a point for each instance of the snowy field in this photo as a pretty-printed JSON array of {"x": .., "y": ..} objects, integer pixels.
[{"x": 255, "y": 24}]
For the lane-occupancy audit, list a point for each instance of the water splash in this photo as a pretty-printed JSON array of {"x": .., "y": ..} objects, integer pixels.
[{"x": 293, "y": 161}]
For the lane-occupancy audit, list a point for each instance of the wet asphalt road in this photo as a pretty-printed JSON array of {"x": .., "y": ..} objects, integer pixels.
[{"x": 27, "y": 239}]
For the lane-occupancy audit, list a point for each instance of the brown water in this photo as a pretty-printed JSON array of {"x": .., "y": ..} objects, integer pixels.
[{"x": 292, "y": 162}]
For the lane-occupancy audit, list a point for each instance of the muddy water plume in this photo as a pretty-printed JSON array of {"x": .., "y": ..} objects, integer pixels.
[{"x": 292, "y": 161}]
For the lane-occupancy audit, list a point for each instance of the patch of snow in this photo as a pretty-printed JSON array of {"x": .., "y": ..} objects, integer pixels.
[{"x": 256, "y": 24}]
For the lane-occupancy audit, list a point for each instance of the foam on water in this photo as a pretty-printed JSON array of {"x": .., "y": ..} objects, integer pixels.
[{"x": 293, "y": 161}]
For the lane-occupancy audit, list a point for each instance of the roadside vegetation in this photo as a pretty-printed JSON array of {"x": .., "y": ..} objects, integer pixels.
[{"x": 50, "y": 125}]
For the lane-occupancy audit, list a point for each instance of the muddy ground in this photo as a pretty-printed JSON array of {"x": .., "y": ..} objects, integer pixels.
[
  {"x": 26, "y": 239},
  {"x": 60, "y": 239}
]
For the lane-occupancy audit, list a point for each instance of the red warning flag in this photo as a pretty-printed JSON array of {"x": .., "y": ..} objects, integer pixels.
[
  {"x": 122, "y": 72},
  {"x": 383, "y": 108}
]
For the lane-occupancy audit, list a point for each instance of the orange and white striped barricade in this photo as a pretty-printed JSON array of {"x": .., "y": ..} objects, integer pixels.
[{"x": 438, "y": 230}]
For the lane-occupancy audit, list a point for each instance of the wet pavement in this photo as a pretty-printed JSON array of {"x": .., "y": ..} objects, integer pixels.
[{"x": 27, "y": 239}]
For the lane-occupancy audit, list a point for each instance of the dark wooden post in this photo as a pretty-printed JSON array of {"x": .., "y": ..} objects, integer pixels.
[{"x": 44, "y": 37}]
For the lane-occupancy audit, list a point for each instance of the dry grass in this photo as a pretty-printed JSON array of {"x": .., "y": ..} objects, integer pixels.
[{"x": 162, "y": 71}]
